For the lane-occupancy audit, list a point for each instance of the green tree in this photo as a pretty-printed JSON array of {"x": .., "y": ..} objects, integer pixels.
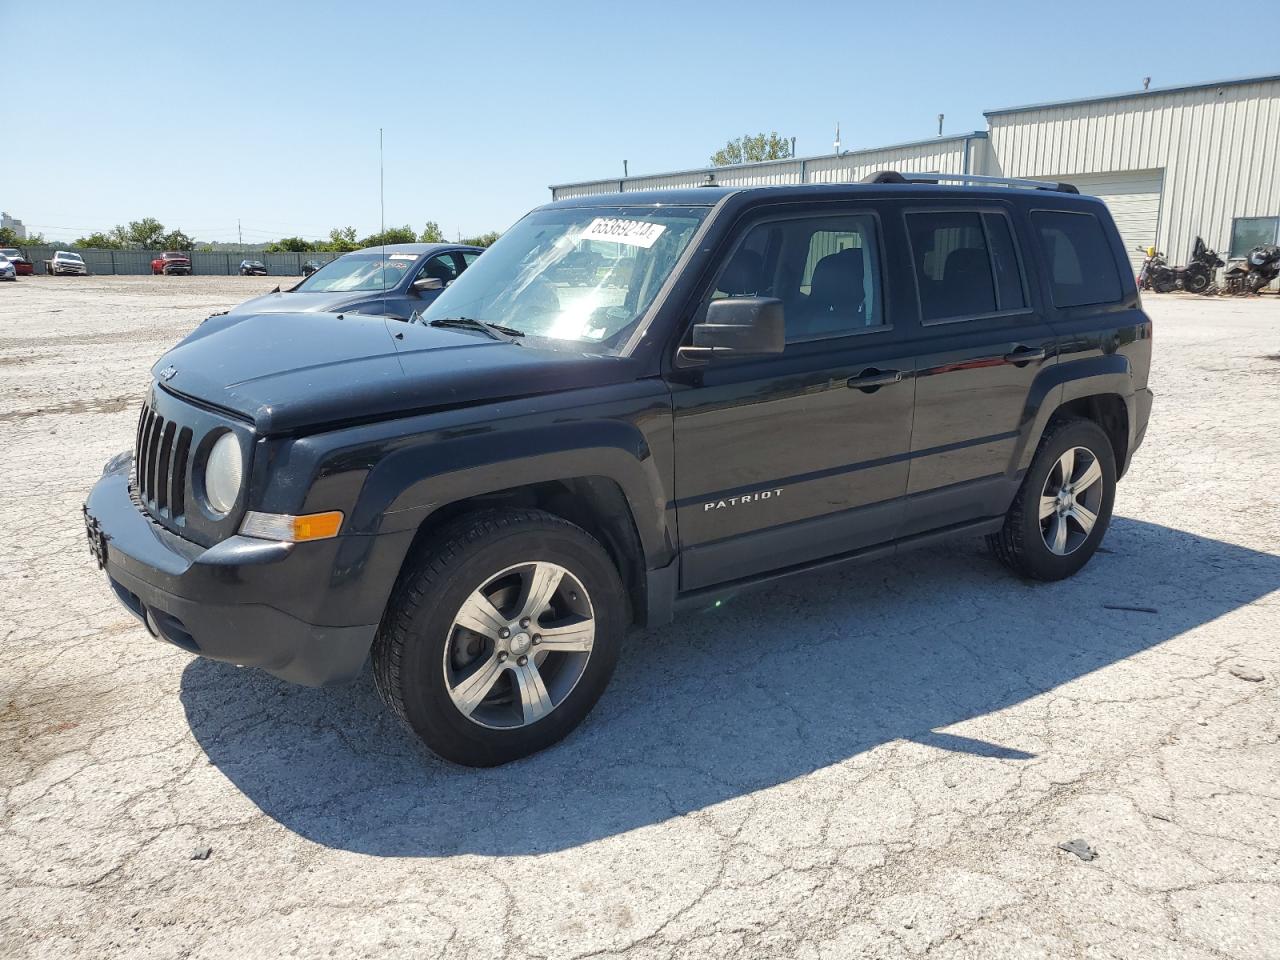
[
  {"x": 432, "y": 233},
  {"x": 100, "y": 241},
  {"x": 749, "y": 149},
  {"x": 341, "y": 239},
  {"x": 177, "y": 240},
  {"x": 405, "y": 234},
  {"x": 9, "y": 238},
  {"x": 290, "y": 245},
  {"x": 146, "y": 233},
  {"x": 484, "y": 240}
]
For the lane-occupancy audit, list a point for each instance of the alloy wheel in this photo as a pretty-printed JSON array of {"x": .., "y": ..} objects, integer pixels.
[
  {"x": 519, "y": 645},
  {"x": 1070, "y": 501}
]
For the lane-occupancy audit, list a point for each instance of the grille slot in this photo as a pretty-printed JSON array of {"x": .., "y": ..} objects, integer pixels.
[{"x": 160, "y": 464}]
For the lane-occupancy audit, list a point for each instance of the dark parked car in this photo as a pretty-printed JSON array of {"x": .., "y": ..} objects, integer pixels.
[
  {"x": 787, "y": 378},
  {"x": 253, "y": 268},
  {"x": 310, "y": 267},
  {"x": 21, "y": 264},
  {"x": 395, "y": 280}
]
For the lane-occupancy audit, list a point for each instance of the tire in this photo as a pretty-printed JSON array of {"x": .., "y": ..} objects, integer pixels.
[
  {"x": 1196, "y": 282},
  {"x": 434, "y": 673},
  {"x": 1027, "y": 543}
]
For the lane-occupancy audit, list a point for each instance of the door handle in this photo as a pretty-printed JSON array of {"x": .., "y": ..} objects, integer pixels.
[
  {"x": 1022, "y": 355},
  {"x": 873, "y": 379}
]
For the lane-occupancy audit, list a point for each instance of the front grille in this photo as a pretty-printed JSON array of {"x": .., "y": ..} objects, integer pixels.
[{"x": 160, "y": 464}]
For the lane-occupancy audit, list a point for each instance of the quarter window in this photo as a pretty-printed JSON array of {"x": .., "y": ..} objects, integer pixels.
[
  {"x": 825, "y": 270},
  {"x": 1082, "y": 267}
]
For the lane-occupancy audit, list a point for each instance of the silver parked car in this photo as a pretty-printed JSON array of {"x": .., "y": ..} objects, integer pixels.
[
  {"x": 65, "y": 262},
  {"x": 8, "y": 270}
]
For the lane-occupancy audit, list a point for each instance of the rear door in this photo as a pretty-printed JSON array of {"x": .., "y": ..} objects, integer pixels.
[
  {"x": 786, "y": 459},
  {"x": 980, "y": 341}
]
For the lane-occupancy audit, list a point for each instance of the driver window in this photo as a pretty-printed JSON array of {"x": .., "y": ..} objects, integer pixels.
[
  {"x": 825, "y": 270},
  {"x": 441, "y": 267}
]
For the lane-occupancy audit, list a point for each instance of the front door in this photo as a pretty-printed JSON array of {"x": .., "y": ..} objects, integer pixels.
[
  {"x": 790, "y": 458},
  {"x": 979, "y": 346}
]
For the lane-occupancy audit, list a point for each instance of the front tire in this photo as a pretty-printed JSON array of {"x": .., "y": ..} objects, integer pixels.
[
  {"x": 501, "y": 636},
  {"x": 1063, "y": 508}
]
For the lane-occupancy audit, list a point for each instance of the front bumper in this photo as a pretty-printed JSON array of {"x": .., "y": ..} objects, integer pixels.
[{"x": 217, "y": 602}]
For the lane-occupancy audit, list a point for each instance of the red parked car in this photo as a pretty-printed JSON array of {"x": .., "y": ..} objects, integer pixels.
[
  {"x": 20, "y": 263},
  {"x": 171, "y": 262}
]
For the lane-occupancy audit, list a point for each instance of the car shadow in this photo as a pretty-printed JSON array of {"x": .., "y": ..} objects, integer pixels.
[{"x": 765, "y": 688}]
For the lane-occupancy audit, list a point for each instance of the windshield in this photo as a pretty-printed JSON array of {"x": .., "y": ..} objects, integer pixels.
[
  {"x": 66, "y": 256},
  {"x": 583, "y": 274},
  {"x": 358, "y": 272},
  {"x": 9, "y": 252}
]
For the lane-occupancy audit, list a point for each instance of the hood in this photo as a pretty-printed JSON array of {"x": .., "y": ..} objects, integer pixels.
[
  {"x": 304, "y": 371},
  {"x": 304, "y": 302}
]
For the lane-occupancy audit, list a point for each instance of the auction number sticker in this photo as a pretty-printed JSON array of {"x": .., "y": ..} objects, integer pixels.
[
  {"x": 404, "y": 256},
  {"x": 634, "y": 233}
]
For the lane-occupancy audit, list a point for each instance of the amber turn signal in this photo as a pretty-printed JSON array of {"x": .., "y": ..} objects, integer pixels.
[{"x": 283, "y": 526}]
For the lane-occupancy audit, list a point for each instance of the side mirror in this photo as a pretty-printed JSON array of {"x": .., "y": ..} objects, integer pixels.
[
  {"x": 738, "y": 326},
  {"x": 425, "y": 284}
]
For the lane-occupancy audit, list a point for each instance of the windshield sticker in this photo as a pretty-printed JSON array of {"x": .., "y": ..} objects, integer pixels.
[
  {"x": 404, "y": 256},
  {"x": 634, "y": 233}
]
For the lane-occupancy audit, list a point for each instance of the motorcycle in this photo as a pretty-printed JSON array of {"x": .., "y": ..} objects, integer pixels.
[
  {"x": 1196, "y": 277},
  {"x": 1156, "y": 275},
  {"x": 1250, "y": 275}
]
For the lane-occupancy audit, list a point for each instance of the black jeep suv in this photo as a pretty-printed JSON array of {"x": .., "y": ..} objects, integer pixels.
[{"x": 752, "y": 383}]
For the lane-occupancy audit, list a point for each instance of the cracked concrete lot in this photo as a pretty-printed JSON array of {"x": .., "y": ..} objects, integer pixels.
[{"x": 870, "y": 763}]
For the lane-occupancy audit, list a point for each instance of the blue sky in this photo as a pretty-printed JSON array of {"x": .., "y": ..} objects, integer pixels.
[{"x": 199, "y": 114}]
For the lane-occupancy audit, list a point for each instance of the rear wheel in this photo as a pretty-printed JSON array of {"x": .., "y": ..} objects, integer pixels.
[
  {"x": 1196, "y": 282},
  {"x": 501, "y": 637},
  {"x": 1063, "y": 508}
]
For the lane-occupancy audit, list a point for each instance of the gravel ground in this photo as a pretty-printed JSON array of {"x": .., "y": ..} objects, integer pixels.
[{"x": 880, "y": 762}]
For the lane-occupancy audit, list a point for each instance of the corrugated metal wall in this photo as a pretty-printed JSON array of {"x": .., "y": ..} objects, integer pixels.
[
  {"x": 1219, "y": 148},
  {"x": 941, "y": 154},
  {"x": 138, "y": 262}
]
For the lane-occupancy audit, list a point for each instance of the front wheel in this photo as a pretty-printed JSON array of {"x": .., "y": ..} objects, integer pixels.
[
  {"x": 501, "y": 636},
  {"x": 1063, "y": 508}
]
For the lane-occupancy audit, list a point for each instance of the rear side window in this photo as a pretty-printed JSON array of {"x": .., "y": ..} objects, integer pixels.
[
  {"x": 1004, "y": 257},
  {"x": 966, "y": 264},
  {"x": 1082, "y": 269}
]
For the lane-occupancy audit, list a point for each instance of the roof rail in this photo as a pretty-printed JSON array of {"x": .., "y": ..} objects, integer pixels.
[{"x": 893, "y": 176}]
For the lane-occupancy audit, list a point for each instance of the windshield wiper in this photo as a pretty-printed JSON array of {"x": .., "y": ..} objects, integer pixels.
[{"x": 506, "y": 334}]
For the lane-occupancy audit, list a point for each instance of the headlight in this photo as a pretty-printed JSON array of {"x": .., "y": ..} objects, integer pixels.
[{"x": 224, "y": 473}]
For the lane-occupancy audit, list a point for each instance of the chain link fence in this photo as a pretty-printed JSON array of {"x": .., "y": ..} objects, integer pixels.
[{"x": 138, "y": 262}]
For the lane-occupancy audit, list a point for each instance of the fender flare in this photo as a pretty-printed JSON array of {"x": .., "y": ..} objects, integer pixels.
[
  {"x": 407, "y": 485},
  {"x": 1064, "y": 382}
]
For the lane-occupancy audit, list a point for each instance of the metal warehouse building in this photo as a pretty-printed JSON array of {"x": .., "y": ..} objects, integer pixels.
[{"x": 1172, "y": 164}]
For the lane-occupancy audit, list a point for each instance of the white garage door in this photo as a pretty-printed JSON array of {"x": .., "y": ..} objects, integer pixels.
[{"x": 1133, "y": 197}]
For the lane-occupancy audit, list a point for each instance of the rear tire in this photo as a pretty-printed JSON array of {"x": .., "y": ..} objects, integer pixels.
[
  {"x": 1047, "y": 533},
  {"x": 1196, "y": 283},
  {"x": 467, "y": 652}
]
